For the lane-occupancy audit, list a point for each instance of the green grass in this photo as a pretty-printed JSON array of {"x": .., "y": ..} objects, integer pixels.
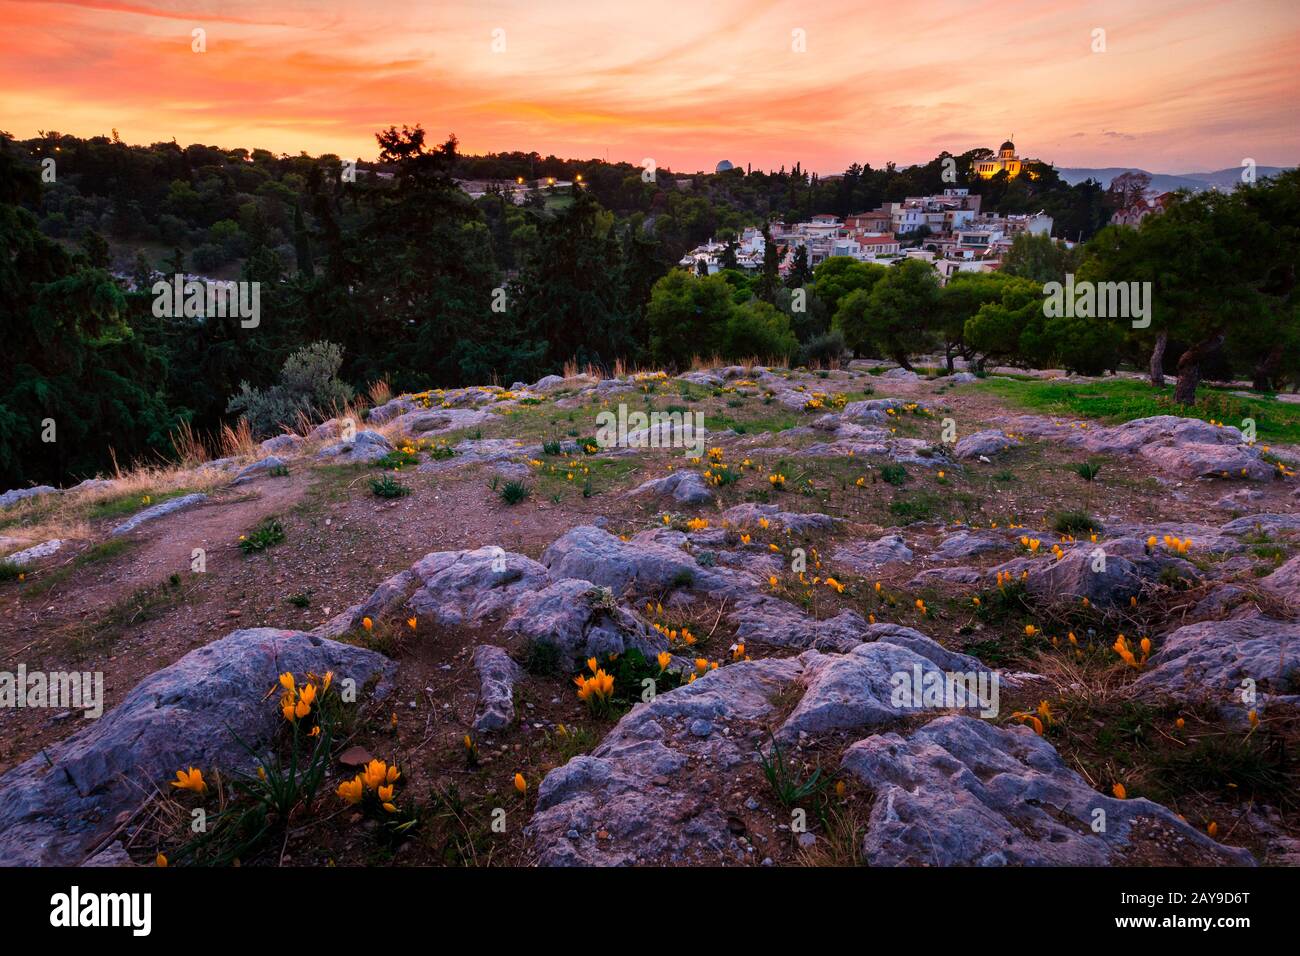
[
  {"x": 1074, "y": 522},
  {"x": 574, "y": 741},
  {"x": 46, "y": 580},
  {"x": 1244, "y": 767},
  {"x": 604, "y": 474},
  {"x": 103, "y": 551},
  {"x": 1124, "y": 400},
  {"x": 144, "y": 604},
  {"x": 397, "y": 459},
  {"x": 759, "y": 423}
]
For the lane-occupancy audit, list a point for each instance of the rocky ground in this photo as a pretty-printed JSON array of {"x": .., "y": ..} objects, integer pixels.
[{"x": 458, "y": 558}]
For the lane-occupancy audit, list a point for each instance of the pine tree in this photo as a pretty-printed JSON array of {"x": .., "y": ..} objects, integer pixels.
[
  {"x": 770, "y": 281},
  {"x": 302, "y": 244}
]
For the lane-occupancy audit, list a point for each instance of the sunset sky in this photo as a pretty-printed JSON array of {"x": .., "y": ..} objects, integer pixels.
[{"x": 1182, "y": 86}]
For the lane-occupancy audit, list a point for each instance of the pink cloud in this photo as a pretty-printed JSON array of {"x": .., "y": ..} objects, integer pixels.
[{"x": 1190, "y": 84}]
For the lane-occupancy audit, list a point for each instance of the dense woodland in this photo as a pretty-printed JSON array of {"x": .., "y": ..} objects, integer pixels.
[{"x": 396, "y": 271}]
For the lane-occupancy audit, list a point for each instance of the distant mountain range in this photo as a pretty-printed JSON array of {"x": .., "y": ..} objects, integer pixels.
[{"x": 1166, "y": 182}]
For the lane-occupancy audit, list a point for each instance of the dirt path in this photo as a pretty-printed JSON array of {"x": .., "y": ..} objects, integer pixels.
[
  {"x": 164, "y": 547},
  {"x": 142, "y": 609}
]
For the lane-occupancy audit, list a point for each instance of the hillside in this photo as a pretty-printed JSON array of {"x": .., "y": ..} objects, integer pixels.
[
  {"x": 1166, "y": 182},
  {"x": 494, "y": 637}
]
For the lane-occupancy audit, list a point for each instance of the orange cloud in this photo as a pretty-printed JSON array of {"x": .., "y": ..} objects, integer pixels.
[{"x": 1191, "y": 84}]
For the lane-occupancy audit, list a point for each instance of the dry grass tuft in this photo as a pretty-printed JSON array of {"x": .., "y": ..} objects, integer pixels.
[
  {"x": 238, "y": 442},
  {"x": 68, "y": 516},
  {"x": 189, "y": 446},
  {"x": 840, "y": 843},
  {"x": 379, "y": 393}
]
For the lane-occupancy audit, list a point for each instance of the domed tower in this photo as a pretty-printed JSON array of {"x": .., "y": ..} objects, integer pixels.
[{"x": 1006, "y": 162}]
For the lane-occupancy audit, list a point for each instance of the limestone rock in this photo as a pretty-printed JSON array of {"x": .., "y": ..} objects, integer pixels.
[
  {"x": 368, "y": 446},
  {"x": 748, "y": 515},
  {"x": 35, "y": 553},
  {"x": 249, "y": 472},
  {"x": 962, "y": 545},
  {"x": 684, "y": 487},
  {"x": 497, "y": 675},
  {"x": 987, "y": 443},
  {"x": 580, "y": 619},
  {"x": 1208, "y": 661},
  {"x": 640, "y": 787},
  {"x": 22, "y": 494},
  {"x": 469, "y": 587},
  {"x": 157, "y": 511},
  {"x": 962, "y": 792},
  {"x": 60, "y": 804},
  {"x": 875, "y": 684},
  {"x": 863, "y": 557},
  {"x": 592, "y": 554},
  {"x": 287, "y": 444}
]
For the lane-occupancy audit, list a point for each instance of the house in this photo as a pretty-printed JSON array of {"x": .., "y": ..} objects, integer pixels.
[
  {"x": 876, "y": 221},
  {"x": 947, "y": 268},
  {"x": 1134, "y": 214},
  {"x": 878, "y": 244}
]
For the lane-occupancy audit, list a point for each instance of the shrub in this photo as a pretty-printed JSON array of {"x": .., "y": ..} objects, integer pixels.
[
  {"x": 1073, "y": 522},
  {"x": 894, "y": 474},
  {"x": 919, "y": 508},
  {"x": 513, "y": 492},
  {"x": 269, "y": 532},
  {"x": 386, "y": 486},
  {"x": 309, "y": 385},
  {"x": 542, "y": 659},
  {"x": 757, "y": 328},
  {"x": 788, "y": 786},
  {"x": 823, "y": 349}
]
